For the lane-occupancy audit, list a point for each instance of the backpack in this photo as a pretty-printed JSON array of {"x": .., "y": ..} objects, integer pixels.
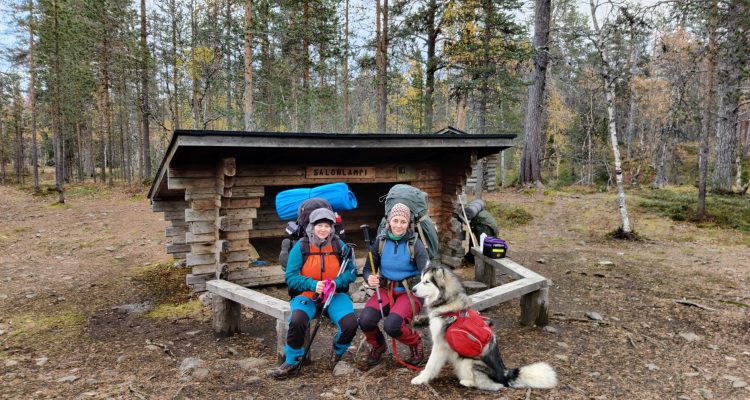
[
  {"x": 295, "y": 230},
  {"x": 420, "y": 222},
  {"x": 468, "y": 333},
  {"x": 409, "y": 245}
]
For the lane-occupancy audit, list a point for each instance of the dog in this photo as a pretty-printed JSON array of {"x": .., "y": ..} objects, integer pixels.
[{"x": 442, "y": 292}]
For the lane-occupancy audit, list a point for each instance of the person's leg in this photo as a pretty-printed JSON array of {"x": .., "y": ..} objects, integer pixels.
[
  {"x": 397, "y": 325},
  {"x": 368, "y": 319},
  {"x": 341, "y": 312},
  {"x": 302, "y": 311}
]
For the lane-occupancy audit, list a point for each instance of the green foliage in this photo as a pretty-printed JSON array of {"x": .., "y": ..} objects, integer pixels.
[
  {"x": 680, "y": 204},
  {"x": 508, "y": 216}
]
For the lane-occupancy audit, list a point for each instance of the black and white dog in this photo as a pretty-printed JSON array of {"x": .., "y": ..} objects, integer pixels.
[{"x": 443, "y": 293}]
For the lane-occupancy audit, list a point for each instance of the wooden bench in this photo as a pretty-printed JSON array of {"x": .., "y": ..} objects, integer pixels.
[{"x": 531, "y": 287}]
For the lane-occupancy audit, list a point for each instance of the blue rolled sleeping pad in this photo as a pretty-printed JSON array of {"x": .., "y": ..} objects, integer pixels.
[{"x": 338, "y": 194}]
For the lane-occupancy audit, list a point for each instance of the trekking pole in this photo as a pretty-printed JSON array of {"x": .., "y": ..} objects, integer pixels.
[
  {"x": 327, "y": 288},
  {"x": 366, "y": 234},
  {"x": 466, "y": 220}
]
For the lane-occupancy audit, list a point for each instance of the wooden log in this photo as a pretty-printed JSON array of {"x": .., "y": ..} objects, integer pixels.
[
  {"x": 238, "y": 245},
  {"x": 191, "y": 238},
  {"x": 200, "y": 215},
  {"x": 194, "y": 171},
  {"x": 228, "y": 224},
  {"x": 203, "y": 248},
  {"x": 191, "y": 183},
  {"x": 266, "y": 233},
  {"x": 228, "y": 182},
  {"x": 205, "y": 204},
  {"x": 230, "y": 166},
  {"x": 179, "y": 239},
  {"x": 241, "y": 213},
  {"x": 232, "y": 203},
  {"x": 204, "y": 269},
  {"x": 282, "y": 326},
  {"x": 175, "y": 231},
  {"x": 177, "y": 248},
  {"x": 236, "y": 256},
  {"x": 226, "y": 320},
  {"x": 257, "y": 276},
  {"x": 261, "y": 171},
  {"x": 173, "y": 205},
  {"x": 236, "y": 235},
  {"x": 191, "y": 195},
  {"x": 200, "y": 259},
  {"x": 174, "y": 215},
  {"x": 534, "y": 307},
  {"x": 202, "y": 227},
  {"x": 247, "y": 191}
]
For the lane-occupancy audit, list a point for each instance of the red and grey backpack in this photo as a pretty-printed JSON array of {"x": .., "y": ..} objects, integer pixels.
[{"x": 468, "y": 332}]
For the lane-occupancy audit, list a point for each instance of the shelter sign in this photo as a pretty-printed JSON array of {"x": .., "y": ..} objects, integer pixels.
[{"x": 350, "y": 173}]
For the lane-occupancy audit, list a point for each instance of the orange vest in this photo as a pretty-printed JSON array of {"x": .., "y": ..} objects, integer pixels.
[{"x": 320, "y": 264}]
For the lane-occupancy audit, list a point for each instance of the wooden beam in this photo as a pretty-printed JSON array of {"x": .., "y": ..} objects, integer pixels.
[
  {"x": 264, "y": 303},
  {"x": 503, "y": 293},
  {"x": 506, "y": 265},
  {"x": 226, "y": 321}
]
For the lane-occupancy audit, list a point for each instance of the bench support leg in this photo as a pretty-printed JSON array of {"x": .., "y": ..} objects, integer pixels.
[
  {"x": 534, "y": 308},
  {"x": 226, "y": 316},
  {"x": 484, "y": 272},
  {"x": 281, "y": 330}
]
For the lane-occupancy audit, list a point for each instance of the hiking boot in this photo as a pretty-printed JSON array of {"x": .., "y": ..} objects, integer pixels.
[
  {"x": 417, "y": 354},
  {"x": 284, "y": 371},
  {"x": 375, "y": 356}
]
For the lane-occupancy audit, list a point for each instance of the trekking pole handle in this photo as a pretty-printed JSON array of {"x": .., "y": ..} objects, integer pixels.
[{"x": 366, "y": 233}]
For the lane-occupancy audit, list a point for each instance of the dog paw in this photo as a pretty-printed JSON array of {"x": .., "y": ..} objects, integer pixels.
[
  {"x": 467, "y": 382},
  {"x": 419, "y": 380}
]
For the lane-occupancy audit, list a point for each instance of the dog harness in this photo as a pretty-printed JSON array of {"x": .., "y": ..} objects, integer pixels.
[{"x": 468, "y": 332}]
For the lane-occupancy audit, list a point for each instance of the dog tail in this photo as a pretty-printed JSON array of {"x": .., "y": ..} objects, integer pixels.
[{"x": 536, "y": 376}]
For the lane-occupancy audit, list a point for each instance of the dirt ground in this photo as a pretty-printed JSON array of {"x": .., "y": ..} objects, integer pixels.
[{"x": 66, "y": 270}]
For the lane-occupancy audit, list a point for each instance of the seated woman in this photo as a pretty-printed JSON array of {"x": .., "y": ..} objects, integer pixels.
[
  {"x": 313, "y": 259},
  {"x": 397, "y": 255}
]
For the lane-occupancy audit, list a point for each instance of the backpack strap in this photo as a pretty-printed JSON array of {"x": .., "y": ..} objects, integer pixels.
[{"x": 304, "y": 246}]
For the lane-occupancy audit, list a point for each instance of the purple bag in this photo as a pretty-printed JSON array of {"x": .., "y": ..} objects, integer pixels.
[{"x": 494, "y": 247}]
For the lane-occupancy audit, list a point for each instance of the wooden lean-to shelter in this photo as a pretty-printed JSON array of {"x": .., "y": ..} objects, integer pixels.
[{"x": 217, "y": 189}]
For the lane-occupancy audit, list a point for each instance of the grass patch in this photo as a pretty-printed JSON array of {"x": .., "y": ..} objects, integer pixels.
[
  {"x": 508, "y": 216},
  {"x": 165, "y": 284},
  {"x": 31, "y": 330},
  {"x": 680, "y": 204},
  {"x": 192, "y": 308}
]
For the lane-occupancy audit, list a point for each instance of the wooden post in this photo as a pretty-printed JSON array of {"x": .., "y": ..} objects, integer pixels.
[
  {"x": 534, "y": 308},
  {"x": 282, "y": 325},
  {"x": 484, "y": 272},
  {"x": 226, "y": 316}
]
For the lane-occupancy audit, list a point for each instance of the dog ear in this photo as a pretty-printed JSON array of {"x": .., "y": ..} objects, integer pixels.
[{"x": 439, "y": 273}]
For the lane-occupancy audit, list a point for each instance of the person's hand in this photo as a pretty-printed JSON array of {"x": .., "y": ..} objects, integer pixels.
[
  {"x": 319, "y": 287},
  {"x": 373, "y": 280}
]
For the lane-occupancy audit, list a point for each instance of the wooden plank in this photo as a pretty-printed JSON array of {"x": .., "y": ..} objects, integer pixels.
[
  {"x": 203, "y": 248},
  {"x": 174, "y": 215},
  {"x": 242, "y": 213},
  {"x": 226, "y": 317},
  {"x": 266, "y": 233},
  {"x": 503, "y": 293},
  {"x": 192, "y": 172},
  {"x": 232, "y": 235},
  {"x": 507, "y": 266},
  {"x": 256, "y": 171},
  {"x": 205, "y": 204},
  {"x": 237, "y": 245},
  {"x": 176, "y": 231},
  {"x": 264, "y": 303},
  {"x": 193, "y": 278},
  {"x": 247, "y": 191},
  {"x": 177, "y": 239},
  {"x": 192, "y": 183},
  {"x": 534, "y": 308},
  {"x": 204, "y": 195},
  {"x": 256, "y": 276},
  {"x": 200, "y": 259},
  {"x": 177, "y": 248},
  {"x": 199, "y": 238},
  {"x": 227, "y": 224},
  {"x": 232, "y": 203},
  {"x": 201, "y": 227},
  {"x": 175, "y": 205},
  {"x": 200, "y": 215},
  {"x": 236, "y": 256},
  {"x": 204, "y": 269}
]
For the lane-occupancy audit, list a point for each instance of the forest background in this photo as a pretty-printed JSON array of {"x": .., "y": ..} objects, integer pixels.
[{"x": 602, "y": 94}]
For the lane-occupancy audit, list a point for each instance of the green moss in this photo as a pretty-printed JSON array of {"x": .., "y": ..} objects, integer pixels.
[
  {"x": 508, "y": 216},
  {"x": 164, "y": 283},
  {"x": 32, "y": 330},
  {"x": 680, "y": 204},
  {"x": 191, "y": 308}
]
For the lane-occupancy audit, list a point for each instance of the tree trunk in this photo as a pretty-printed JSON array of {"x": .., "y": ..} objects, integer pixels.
[
  {"x": 707, "y": 107},
  {"x": 194, "y": 73},
  {"x": 347, "y": 116},
  {"x": 175, "y": 79},
  {"x": 306, "y": 112},
  {"x": 484, "y": 88},
  {"x": 381, "y": 63},
  {"x": 609, "y": 87},
  {"x": 431, "y": 68},
  {"x": 726, "y": 132},
  {"x": 530, "y": 168},
  {"x": 228, "y": 51},
  {"x": 248, "y": 67},
  {"x": 146, "y": 112},
  {"x": 56, "y": 110},
  {"x": 32, "y": 98}
]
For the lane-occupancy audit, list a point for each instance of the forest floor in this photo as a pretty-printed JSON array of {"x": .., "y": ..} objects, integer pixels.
[{"x": 88, "y": 309}]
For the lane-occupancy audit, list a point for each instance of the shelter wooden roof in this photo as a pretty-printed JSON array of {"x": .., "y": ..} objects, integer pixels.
[{"x": 188, "y": 147}]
